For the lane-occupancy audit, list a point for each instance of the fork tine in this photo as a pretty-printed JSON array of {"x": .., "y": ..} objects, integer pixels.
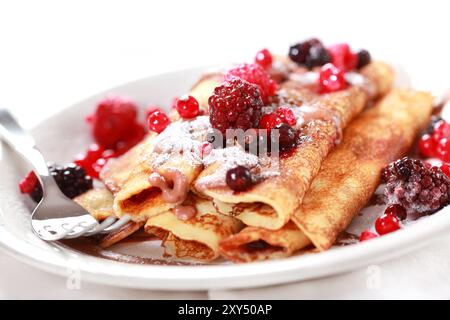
[
  {"x": 102, "y": 226},
  {"x": 120, "y": 223}
]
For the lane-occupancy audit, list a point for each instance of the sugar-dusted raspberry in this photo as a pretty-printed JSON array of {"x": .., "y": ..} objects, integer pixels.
[
  {"x": 416, "y": 187},
  {"x": 112, "y": 119},
  {"x": 286, "y": 115},
  {"x": 254, "y": 74},
  {"x": 236, "y": 104}
]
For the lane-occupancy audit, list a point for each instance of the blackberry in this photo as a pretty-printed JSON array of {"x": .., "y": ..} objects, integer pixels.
[
  {"x": 236, "y": 104},
  {"x": 300, "y": 51},
  {"x": 419, "y": 189},
  {"x": 317, "y": 56},
  {"x": 72, "y": 180},
  {"x": 364, "y": 59},
  {"x": 239, "y": 178}
]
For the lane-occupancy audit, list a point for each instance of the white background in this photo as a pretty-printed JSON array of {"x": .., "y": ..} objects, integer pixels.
[{"x": 54, "y": 53}]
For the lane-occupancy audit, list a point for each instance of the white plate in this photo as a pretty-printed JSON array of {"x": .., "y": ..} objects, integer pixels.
[{"x": 65, "y": 134}]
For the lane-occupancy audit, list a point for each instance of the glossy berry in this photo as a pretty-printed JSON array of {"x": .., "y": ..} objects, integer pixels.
[
  {"x": 443, "y": 149},
  {"x": 427, "y": 146},
  {"x": 286, "y": 115},
  {"x": 441, "y": 130},
  {"x": 256, "y": 75},
  {"x": 288, "y": 138},
  {"x": 112, "y": 119},
  {"x": 264, "y": 58},
  {"x": 445, "y": 167},
  {"x": 342, "y": 56},
  {"x": 300, "y": 51},
  {"x": 387, "y": 223},
  {"x": 158, "y": 121},
  {"x": 363, "y": 58},
  {"x": 71, "y": 179},
  {"x": 397, "y": 210},
  {"x": 239, "y": 178},
  {"x": 367, "y": 235},
  {"x": 318, "y": 56},
  {"x": 236, "y": 104},
  {"x": 269, "y": 121},
  {"x": 331, "y": 79},
  {"x": 187, "y": 106},
  {"x": 434, "y": 120},
  {"x": 152, "y": 108},
  {"x": 28, "y": 183},
  {"x": 416, "y": 187}
]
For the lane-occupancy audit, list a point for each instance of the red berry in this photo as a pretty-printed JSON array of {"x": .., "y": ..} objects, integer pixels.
[
  {"x": 264, "y": 58},
  {"x": 367, "y": 235},
  {"x": 443, "y": 149},
  {"x": 387, "y": 223},
  {"x": 396, "y": 210},
  {"x": 254, "y": 74},
  {"x": 158, "y": 121},
  {"x": 112, "y": 119},
  {"x": 269, "y": 121},
  {"x": 236, "y": 104},
  {"x": 28, "y": 183},
  {"x": 331, "y": 79},
  {"x": 151, "y": 109},
  {"x": 286, "y": 115},
  {"x": 136, "y": 134},
  {"x": 441, "y": 129},
  {"x": 427, "y": 146},
  {"x": 342, "y": 56},
  {"x": 187, "y": 106},
  {"x": 445, "y": 167}
]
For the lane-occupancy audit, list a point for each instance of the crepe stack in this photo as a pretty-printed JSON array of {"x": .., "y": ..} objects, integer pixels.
[{"x": 305, "y": 203}]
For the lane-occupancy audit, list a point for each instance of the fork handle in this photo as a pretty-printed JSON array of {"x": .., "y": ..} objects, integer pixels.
[{"x": 21, "y": 141}]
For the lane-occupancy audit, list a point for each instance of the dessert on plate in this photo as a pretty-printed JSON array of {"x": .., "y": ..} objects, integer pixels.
[{"x": 265, "y": 160}]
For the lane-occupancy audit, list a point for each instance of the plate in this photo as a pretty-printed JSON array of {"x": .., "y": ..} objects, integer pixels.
[{"x": 65, "y": 134}]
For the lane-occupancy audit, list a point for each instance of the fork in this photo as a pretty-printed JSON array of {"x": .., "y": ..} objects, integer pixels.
[{"x": 56, "y": 216}]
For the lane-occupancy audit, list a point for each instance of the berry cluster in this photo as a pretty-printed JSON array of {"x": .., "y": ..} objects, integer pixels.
[
  {"x": 418, "y": 188},
  {"x": 436, "y": 142},
  {"x": 72, "y": 180},
  {"x": 386, "y": 223}
]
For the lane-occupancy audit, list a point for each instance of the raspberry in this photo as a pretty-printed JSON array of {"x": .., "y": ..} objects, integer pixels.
[
  {"x": 236, "y": 104},
  {"x": 445, "y": 167},
  {"x": 72, "y": 180},
  {"x": 414, "y": 186},
  {"x": 254, "y": 74},
  {"x": 367, "y": 235},
  {"x": 136, "y": 134},
  {"x": 427, "y": 146},
  {"x": 300, "y": 51},
  {"x": 386, "y": 223},
  {"x": 286, "y": 115},
  {"x": 28, "y": 183},
  {"x": 342, "y": 56},
  {"x": 112, "y": 119},
  {"x": 239, "y": 178},
  {"x": 397, "y": 210},
  {"x": 318, "y": 56},
  {"x": 158, "y": 121},
  {"x": 363, "y": 58},
  {"x": 187, "y": 106},
  {"x": 264, "y": 58},
  {"x": 331, "y": 79}
]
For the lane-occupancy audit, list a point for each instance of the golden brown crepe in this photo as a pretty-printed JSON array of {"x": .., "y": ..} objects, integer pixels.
[
  {"x": 197, "y": 237},
  {"x": 270, "y": 203},
  {"x": 346, "y": 181}
]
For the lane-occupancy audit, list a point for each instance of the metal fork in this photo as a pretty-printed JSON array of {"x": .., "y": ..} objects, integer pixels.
[{"x": 56, "y": 216}]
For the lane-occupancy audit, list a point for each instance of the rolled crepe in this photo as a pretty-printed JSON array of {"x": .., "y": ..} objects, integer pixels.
[
  {"x": 271, "y": 203},
  {"x": 345, "y": 183},
  {"x": 197, "y": 237},
  {"x": 161, "y": 172}
]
